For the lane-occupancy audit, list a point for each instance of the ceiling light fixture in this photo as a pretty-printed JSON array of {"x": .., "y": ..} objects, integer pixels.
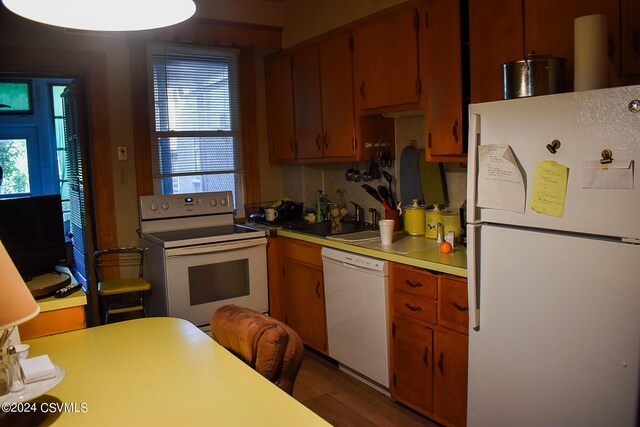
[{"x": 104, "y": 15}]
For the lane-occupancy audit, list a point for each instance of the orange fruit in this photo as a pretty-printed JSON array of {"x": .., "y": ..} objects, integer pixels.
[{"x": 446, "y": 248}]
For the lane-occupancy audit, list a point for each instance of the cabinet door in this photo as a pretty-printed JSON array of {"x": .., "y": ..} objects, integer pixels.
[
  {"x": 555, "y": 36},
  {"x": 496, "y": 37},
  {"x": 443, "y": 76},
  {"x": 280, "y": 124},
  {"x": 387, "y": 68},
  {"x": 451, "y": 377},
  {"x": 308, "y": 107},
  {"x": 413, "y": 363},
  {"x": 338, "y": 115},
  {"x": 304, "y": 303}
]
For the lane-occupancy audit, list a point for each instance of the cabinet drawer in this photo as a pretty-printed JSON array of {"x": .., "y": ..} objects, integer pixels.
[
  {"x": 454, "y": 306},
  {"x": 415, "y": 306},
  {"x": 308, "y": 253},
  {"x": 415, "y": 281}
]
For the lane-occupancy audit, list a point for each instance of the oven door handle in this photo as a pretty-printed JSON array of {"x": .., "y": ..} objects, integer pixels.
[{"x": 217, "y": 247}]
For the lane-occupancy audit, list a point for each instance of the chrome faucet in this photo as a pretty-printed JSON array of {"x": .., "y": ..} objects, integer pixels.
[{"x": 359, "y": 212}]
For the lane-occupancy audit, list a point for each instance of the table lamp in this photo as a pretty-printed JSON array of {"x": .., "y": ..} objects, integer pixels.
[{"x": 16, "y": 302}]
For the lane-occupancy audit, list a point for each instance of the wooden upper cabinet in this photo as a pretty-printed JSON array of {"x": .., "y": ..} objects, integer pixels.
[
  {"x": 443, "y": 77},
  {"x": 504, "y": 30},
  {"x": 548, "y": 28},
  {"x": 338, "y": 113},
  {"x": 386, "y": 61},
  {"x": 323, "y": 96},
  {"x": 307, "y": 102},
  {"x": 493, "y": 42},
  {"x": 280, "y": 124}
]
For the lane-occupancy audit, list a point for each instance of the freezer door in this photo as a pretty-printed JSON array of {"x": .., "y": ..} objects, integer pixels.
[
  {"x": 585, "y": 123},
  {"x": 559, "y": 332}
]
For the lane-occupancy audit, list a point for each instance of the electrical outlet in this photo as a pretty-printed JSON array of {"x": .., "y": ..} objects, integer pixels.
[{"x": 122, "y": 152}]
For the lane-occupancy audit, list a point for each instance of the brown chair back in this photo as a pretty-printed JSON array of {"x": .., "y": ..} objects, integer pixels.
[{"x": 267, "y": 345}]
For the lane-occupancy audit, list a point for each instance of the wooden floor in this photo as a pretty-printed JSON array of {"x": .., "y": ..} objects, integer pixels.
[{"x": 345, "y": 401}]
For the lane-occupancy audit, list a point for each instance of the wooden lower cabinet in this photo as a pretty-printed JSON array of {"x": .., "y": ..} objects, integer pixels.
[
  {"x": 429, "y": 351},
  {"x": 450, "y": 379},
  {"x": 303, "y": 290},
  {"x": 53, "y": 322},
  {"x": 412, "y": 379}
]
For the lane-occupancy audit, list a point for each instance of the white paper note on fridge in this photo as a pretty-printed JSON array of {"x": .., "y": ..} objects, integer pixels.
[{"x": 500, "y": 181}]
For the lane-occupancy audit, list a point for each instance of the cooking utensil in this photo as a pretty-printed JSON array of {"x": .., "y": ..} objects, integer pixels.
[
  {"x": 411, "y": 187},
  {"x": 357, "y": 176},
  {"x": 350, "y": 173},
  {"x": 366, "y": 176},
  {"x": 432, "y": 181},
  {"x": 535, "y": 75},
  {"x": 374, "y": 193},
  {"x": 384, "y": 193},
  {"x": 389, "y": 179}
]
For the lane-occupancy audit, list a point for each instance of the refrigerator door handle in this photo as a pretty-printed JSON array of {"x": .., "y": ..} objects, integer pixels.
[
  {"x": 472, "y": 167},
  {"x": 473, "y": 282}
]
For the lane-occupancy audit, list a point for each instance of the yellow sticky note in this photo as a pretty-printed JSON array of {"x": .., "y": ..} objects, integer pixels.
[{"x": 549, "y": 188}]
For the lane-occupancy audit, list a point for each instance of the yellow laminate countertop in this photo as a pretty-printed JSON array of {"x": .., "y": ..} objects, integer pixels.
[
  {"x": 78, "y": 298},
  {"x": 160, "y": 372},
  {"x": 416, "y": 251}
]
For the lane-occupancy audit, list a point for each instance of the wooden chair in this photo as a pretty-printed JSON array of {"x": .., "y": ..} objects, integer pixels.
[
  {"x": 267, "y": 345},
  {"x": 125, "y": 293}
]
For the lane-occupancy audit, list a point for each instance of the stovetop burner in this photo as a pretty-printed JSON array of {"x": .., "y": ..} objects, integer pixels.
[{"x": 200, "y": 236}]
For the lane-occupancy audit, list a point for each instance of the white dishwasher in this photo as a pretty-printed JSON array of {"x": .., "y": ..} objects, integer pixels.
[{"x": 356, "y": 292}]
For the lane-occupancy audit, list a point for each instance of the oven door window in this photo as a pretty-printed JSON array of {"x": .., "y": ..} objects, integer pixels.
[{"x": 202, "y": 277}]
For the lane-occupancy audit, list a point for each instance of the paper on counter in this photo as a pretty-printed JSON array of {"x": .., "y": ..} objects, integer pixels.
[
  {"x": 500, "y": 182},
  {"x": 549, "y": 188},
  {"x": 616, "y": 175}
]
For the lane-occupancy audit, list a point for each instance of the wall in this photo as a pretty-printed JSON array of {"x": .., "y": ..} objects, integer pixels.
[
  {"x": 115, "y": 47},
  {"x": 305, "y": 19},
  {"x": 301, "y": 183}
]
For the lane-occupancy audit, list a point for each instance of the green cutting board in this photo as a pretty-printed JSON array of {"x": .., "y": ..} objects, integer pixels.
[{"x": 433, "y": 181}]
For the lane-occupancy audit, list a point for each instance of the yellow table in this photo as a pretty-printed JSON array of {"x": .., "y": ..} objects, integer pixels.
[{"x": 160, "y": 372}]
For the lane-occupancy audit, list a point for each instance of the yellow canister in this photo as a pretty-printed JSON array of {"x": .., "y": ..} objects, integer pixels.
[
  {"x": 414, "y": 219},
  {"x": 451, "y": 222},
  {"x": 432, "y": 218}
]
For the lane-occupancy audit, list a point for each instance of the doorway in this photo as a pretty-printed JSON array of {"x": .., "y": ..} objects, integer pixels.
[{"x": 41, "y": 154}]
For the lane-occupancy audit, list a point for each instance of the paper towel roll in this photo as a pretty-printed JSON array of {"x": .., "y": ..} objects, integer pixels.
[{"x": 591, "y": 62}]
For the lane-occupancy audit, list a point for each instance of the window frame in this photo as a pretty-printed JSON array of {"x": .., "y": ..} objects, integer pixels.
[{"x": 235, "y": 132}]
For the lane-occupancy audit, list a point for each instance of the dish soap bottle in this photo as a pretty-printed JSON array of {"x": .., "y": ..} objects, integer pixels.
[{"x": 321, "y": 207}]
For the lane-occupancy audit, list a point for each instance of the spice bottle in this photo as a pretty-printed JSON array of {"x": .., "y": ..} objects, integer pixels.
[
  {"x": 15, "y": 374},
  {"x": 4, "y": 375}
]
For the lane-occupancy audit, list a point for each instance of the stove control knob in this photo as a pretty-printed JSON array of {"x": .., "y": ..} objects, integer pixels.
[
  {"x": 165, "y": 206},
  {"x": 213, "y": 202},
  {"x": 223, "y": 202},
  {"x": 154, "y": 206}
]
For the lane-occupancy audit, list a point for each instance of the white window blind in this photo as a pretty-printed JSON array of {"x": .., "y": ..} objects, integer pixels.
[{"x": 196, "y": 130}]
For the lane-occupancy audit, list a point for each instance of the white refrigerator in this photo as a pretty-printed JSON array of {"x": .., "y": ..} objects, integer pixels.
[{"x": 554, "y": 289}]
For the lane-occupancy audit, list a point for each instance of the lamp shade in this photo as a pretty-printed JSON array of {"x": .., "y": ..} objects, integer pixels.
[
  {"x": 104, "y": 15},
  {"x": 16, "y": 302}
]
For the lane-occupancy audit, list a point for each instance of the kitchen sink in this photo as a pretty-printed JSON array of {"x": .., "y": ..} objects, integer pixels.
[{"x": 324, "y": 228}]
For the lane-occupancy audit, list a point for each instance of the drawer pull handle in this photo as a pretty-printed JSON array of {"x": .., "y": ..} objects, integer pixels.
[
  {"x": 318, "y": 289},
  {"x": 425, "y": 356},
  {"x": 441, "y": 363},
  {"x": 459, "y": 307},
  {"x": 413, "y": 285},
  {"x": 413, "y": 307}
]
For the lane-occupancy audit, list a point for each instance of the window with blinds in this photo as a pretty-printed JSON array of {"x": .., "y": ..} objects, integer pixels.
[{"x": 196, "y": 126}]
